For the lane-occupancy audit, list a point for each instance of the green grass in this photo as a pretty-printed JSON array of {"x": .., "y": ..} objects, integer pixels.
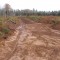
[
  {"x": 34, "y": 18},
  {"x": 4, "y": 29}
]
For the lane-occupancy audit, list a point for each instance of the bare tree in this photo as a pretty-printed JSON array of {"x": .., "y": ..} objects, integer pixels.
[{"x": 7, "y": 9}]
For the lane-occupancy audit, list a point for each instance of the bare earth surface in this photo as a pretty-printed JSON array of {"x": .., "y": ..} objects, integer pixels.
[{"x": 36, "y": 41}]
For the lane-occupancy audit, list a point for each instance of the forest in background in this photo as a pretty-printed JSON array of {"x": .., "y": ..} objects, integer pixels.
[{"x": 7, "y": 10}]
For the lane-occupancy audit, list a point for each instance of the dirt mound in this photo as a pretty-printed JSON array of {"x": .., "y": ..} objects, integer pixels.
[
  {"x": 54, "y": 21},
  {"x": 26, "y": 20}
]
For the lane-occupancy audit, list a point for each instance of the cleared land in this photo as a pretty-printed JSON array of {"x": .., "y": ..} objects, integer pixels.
[{"x": 34, "y": 38}]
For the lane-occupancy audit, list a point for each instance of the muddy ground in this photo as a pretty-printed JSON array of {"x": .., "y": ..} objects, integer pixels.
[{"x": 31, "y": 41}]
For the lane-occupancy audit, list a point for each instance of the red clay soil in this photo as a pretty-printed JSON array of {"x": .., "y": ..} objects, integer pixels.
[{"x": 35, "y": 41}]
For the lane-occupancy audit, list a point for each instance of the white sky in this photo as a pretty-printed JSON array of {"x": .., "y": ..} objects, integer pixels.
[{"x": 43, "y": 5}]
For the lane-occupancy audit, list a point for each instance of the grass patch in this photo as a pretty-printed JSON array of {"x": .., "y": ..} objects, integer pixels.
[
  {"x": 4, "y": 29},
  {"x": 34, "y": 18}
]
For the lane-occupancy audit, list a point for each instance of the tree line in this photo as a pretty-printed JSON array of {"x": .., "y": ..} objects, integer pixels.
[{"x": 8, "y": 11}]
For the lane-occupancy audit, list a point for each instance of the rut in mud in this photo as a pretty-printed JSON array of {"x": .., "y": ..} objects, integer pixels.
[{"x": 36, "y": 41}]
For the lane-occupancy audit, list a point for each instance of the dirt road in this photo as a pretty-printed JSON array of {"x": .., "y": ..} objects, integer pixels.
[{"x": 36, "y": 41}]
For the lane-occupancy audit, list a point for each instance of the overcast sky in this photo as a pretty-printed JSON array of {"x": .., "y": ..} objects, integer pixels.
[{"x": 43, "y": 5}]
